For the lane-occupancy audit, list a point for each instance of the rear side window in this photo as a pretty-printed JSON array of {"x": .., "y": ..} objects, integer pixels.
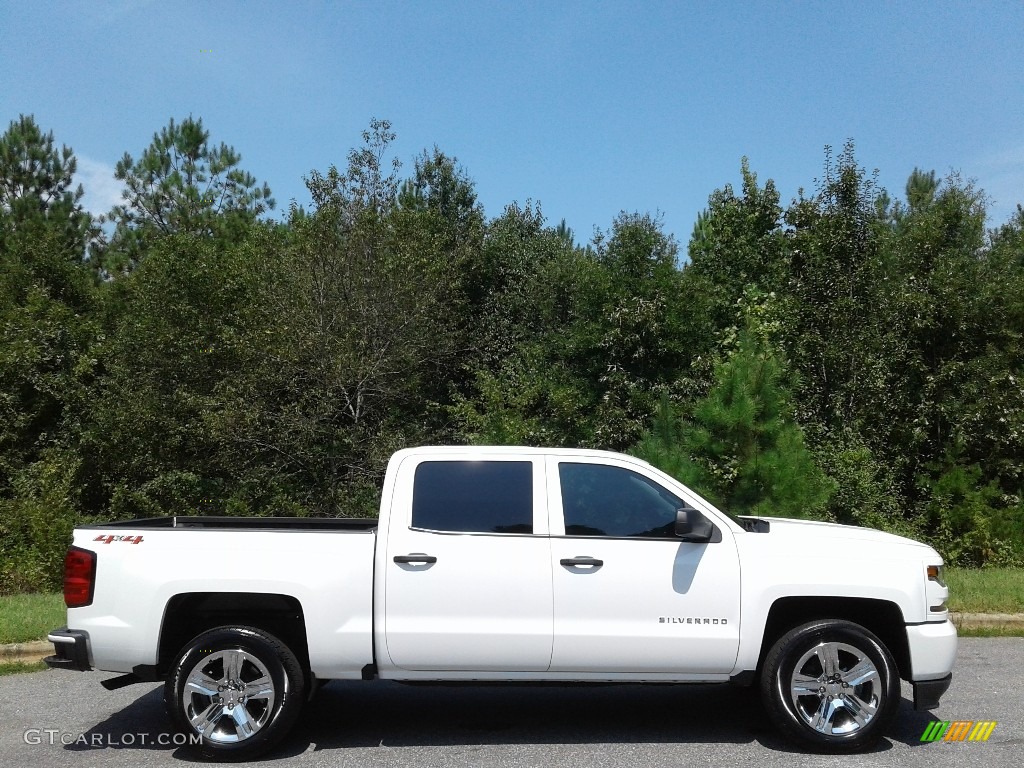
[{"x": 474, "y": 496}]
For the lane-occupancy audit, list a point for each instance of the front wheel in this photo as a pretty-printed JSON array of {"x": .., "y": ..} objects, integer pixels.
[
  {"x": 831, "y": 685},
  {"x": 237, "y": 689}
]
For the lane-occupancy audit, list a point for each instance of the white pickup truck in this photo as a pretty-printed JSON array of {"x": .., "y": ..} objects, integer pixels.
[{"x": 509, "y": 564}]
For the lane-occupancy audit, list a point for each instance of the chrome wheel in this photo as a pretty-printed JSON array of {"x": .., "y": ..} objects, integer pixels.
[
  {"x": 238, "y": 689},
  {"x": 834, "y": 688},
  {"x": 831, "y": 685},
  {"x": 228, "y": 696}
]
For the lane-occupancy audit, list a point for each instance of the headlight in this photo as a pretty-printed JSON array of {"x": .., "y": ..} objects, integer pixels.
[
  {"x": 938, "y": 594},
  {"x": 937, "y": 574}
]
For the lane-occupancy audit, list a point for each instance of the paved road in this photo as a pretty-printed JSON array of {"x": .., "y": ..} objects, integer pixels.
[{"x": 385, "y": 724}]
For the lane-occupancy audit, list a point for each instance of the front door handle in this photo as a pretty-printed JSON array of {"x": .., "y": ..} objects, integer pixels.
[
  {"x": 571, "y": 561},
  {"x": 417, "y": 557}
]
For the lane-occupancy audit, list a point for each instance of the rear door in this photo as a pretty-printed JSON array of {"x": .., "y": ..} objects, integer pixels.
[
  {"x": 468, "y": 570},
  {"x": 628, "y": 595}
]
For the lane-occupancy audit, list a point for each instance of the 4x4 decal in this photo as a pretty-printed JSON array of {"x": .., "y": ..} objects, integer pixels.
[{"x": 108, "y": 539}]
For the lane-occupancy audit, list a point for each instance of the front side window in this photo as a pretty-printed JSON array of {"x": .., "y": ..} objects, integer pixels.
[
  {"x": 473, "y": 496},
  {"x": 600, "y": 500}
]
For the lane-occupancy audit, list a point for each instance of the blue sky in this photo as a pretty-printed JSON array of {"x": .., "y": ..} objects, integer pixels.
[{"x": 588, "y": 107}]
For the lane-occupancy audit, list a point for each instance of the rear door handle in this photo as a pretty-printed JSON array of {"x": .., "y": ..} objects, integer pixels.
[
  {"x": 417, "y": 557},
  {"x": 571, "y": 561}
]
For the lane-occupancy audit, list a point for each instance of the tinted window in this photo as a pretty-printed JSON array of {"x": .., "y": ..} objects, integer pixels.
[
  {"x": 474, "y": 496},
  {"x": 611, "y": 501}
]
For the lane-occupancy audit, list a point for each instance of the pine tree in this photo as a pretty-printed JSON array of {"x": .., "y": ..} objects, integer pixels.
[
  {"x": 36, "y": 189},
  {"x": 741, "y": 449},
  {"x": 182, "y": 184}
]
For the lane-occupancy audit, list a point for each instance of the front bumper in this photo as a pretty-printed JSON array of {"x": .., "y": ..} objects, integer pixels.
[
  {"x": 928, "y": 692},
  {"x": 71, "y": 649},
  {"x": 932, "y": 653}
]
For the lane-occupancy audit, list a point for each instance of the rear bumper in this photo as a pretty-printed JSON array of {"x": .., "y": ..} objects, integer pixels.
[{"x": 71, "y": 649}]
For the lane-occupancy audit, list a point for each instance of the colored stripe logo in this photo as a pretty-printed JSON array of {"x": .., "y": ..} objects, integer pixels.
[{"x": 958, "y": 730}]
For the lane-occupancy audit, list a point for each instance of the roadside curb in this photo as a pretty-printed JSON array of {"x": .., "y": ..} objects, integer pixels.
[
  {"x": 987, "y": 620},
  {"x": 25, "y": 653}
]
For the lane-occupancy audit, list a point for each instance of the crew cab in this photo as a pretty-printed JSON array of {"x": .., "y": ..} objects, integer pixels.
[{"x": 509, "y": 564}]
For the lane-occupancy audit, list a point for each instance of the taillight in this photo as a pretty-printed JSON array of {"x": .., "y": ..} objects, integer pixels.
[{"x": 79, "y": 577}]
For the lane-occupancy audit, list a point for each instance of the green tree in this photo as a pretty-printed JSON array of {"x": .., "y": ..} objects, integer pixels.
[
  {"x": 525, "y": 302},
  {"x": 842, "y": 330},
  {"x": 517, "y": 253},
  {"x": 738, "y": 241},
  {"x": 182, "y": 184},
  {"x": 439, "y": 184},
  {"x": 344, "y": 333},
  {"x": 565, "y": 232},
  {"x": 574, "y": 344},
  {"x": 634, "y": 340},
  {"x": 46, "y": 331},
  {"x": 737, "y": 245},
  {"x": 969, "y": 421},
  {"x": 48, "y": 327},
  {"x": 363, "y": 190},
  {"x": 741, "y": 448},
  {"x": 37, "y": 190},
  {"x": 172, "y": 344},
  {"x": 921, "y": 188},
  {"x": 438, "y": 207}
]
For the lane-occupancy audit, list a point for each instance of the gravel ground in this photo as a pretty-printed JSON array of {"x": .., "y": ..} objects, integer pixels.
[{"x": 386, "y": 724}]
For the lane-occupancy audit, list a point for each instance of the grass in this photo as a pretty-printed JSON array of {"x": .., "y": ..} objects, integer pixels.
[
  {"x": 18, "y": 667},
  {"x": 1011, "y": 631},
  {"x": 24, "y": 618},
  {"x": 986, "y": 590}
]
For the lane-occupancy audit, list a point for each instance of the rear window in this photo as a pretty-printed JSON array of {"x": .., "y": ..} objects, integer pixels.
[{"x": 474, "y": 496}]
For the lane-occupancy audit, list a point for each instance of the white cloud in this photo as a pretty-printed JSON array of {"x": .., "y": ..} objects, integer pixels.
[{"x": 102, "y": 190}]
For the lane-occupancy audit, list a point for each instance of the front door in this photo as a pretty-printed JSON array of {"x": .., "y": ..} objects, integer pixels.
[{"x": 628, "y": 595}]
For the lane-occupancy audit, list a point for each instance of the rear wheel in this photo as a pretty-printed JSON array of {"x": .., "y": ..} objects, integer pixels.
[
  {"x": 239, "y": 689},
  {"x": 831, "y": 685}
]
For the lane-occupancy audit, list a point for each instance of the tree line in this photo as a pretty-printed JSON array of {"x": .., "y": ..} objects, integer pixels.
[{"x": 848, "y": 357}]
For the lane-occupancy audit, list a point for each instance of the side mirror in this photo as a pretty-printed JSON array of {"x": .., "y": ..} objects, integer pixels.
[{"x": 692, "y": 526}]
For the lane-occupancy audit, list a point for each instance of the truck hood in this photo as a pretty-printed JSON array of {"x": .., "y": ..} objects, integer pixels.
[{"x": 792, "y": 530}]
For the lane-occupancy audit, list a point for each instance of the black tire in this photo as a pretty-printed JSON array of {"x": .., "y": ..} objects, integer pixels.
[
  {"x": 831, "y": 686},
  {"x": 239, "y": 688}
]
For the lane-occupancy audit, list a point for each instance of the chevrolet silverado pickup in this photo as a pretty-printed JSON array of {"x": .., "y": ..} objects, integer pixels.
[{"x": 509, "y": 564}]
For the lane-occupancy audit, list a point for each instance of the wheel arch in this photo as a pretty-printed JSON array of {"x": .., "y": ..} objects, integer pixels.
[
  {"x": 189, "y": 614},
  {"x": 882, "y": 618}
]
